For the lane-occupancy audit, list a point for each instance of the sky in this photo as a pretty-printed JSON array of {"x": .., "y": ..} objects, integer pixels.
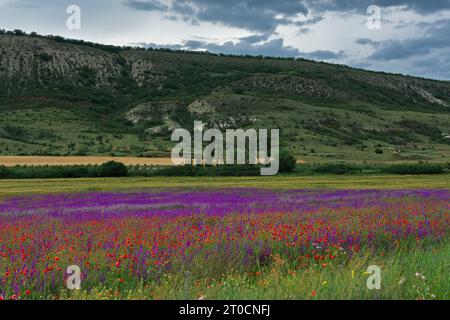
[{"x": 401, "y": 36}]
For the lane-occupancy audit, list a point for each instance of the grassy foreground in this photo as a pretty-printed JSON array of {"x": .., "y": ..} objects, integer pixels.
[
  {"x": 14, "y": 187},
  {"x": 410, "y": 269},
  {"x": 421, "y": 274}
]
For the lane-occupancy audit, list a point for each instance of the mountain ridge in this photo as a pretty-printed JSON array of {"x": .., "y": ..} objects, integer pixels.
[{"x": 66, "y": 97}]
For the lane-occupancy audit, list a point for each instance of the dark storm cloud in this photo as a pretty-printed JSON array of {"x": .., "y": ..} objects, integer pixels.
[
  {"x": 266, "y": 15},
  {"x": 435, "y": 36},
  {"x": 420, "y": 6},
  {"x": 256, "y": 15},
  {"x": 147, "y": 5}
]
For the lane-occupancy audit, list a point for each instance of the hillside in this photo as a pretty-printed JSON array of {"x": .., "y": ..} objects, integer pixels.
[{"x": 60, "y": 97}]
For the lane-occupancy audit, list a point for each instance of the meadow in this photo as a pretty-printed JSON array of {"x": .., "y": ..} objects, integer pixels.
[
  {"x": 33, "y": 186},
  {"x": 232, "y": 238}
]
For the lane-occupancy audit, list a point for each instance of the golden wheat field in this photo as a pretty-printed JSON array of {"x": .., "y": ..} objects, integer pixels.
[{"x": 11, "y": 161}]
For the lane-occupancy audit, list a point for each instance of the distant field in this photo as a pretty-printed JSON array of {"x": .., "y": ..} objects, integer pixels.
[
  {"x": 14, "y": 187},
  {"x": 10, "y": 161}
]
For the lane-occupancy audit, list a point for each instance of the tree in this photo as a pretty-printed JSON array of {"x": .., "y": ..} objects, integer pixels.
[
  {"x": 287, "y": 161},
  {"x": 19, "y": 32},
  {"x": 112, "y": 169}
]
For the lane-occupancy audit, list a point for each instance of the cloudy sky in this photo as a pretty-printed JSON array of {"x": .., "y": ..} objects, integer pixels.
[{"x": 414, "y": 37}]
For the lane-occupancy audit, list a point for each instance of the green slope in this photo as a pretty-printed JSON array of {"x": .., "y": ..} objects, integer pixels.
[{"x": 63, "y": 97}]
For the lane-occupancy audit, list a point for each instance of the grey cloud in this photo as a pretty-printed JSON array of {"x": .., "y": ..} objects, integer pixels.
[
  {"x": 266, "y": 15},
  {"x": 420, "y": 6},
  {"x": 184, "y": 8},
  {"x": 254, "y": 45},
  {"x": 159, "y": 46},
  {"x": 255, "y": 15},
  {"x": 255, "y": 38},
  {"x": 146, "y": 5},
  {"x": 364, "y": 41},
  {"x": 437, "y": 67},
  {"x": 427, "y": 54},
  {"x": 325, "y": 55},
  {"x": 248, "y": 45},
  {"x": 24, "y": 4},
  {"x": 274, "y": 47},
  {"x": 309, "y": 22},
  {"x": 304, "y": 31},
  {"x": 434, "y": 66},
  {"x": 435, "y": 36}
]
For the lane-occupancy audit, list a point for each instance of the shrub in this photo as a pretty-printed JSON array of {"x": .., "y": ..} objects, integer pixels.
[
  {"x": 414, "y": 169},
  {"x": 337, "y": 168},
  {"x": 112, "y": 169},
  {"x": 287, "y": 162},
  {"x": 116, "y": 169},
  {"x": 45, "y": 57},
  {"x": 195, "y": 171},
  {"x": 4, "y": 172}
]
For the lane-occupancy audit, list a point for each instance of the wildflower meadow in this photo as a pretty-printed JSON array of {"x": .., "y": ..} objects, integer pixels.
[{"x": 226, "y": 243}]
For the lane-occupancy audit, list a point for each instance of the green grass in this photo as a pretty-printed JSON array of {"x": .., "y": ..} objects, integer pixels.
[
  {"x": 17, "y": 187},
  {"x": 313, "y": 133},
  {"x": 402, "y": 275}
]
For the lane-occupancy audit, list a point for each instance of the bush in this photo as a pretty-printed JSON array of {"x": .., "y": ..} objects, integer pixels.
[
  {"x": 196, "y": 171},
  {"x": 414, "y": 169},
  {"x": 337, "y": 168},
  {"x": 4, "y": 172},
  {"x": 46, "y": 172},
  {"x": 112, "y": 169},
  {"x": 116, "y": 169},
  {"x": 44, "y": 56},
  {"x": 287, "y": 162}
]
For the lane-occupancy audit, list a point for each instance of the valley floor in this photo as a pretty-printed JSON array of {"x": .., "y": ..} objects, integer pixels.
[{"x": 17, "y": 187}]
